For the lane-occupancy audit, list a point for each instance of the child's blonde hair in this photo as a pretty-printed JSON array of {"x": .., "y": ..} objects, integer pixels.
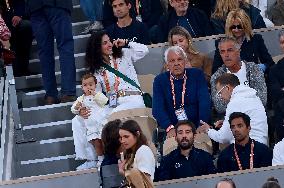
[{"x": 87, "y": 76}]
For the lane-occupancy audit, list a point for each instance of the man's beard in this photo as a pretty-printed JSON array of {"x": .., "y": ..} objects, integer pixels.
[{"x": 185, "y": 145}]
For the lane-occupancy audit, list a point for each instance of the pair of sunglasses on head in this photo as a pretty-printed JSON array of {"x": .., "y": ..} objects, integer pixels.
[{"x": 239, "y": 27}]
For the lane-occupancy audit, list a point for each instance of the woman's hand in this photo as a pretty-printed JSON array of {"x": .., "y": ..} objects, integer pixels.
[
  {"x": 84, "y": 112},
  {"x": 121, "y": 164},
  {"x": 120, "y": 42}
]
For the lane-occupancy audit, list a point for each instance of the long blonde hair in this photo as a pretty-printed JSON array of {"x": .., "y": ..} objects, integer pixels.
[
  {"x": 241, "y": 16},
  {"x": 223, "y": 7},
  {"x": 178, "y": 30}
]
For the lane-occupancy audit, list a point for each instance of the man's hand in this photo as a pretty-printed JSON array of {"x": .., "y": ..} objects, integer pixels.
[
  {"x": 16, "y": 20},
  {"x": 218, "y": 124},
  {"x": 84, "y": 113},
  {"x": 203, "y": 128}
]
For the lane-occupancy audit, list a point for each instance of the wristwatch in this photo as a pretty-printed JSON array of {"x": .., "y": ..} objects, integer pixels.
[{"x": 169, "y": 128}]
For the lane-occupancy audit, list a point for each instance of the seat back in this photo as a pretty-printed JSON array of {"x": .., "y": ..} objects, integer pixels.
[
  {"x": 143, "y": 116},
  {"x": 146, "y": 83}
]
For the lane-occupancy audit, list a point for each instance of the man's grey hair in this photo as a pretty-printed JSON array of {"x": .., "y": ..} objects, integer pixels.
[
  {"x": 231, "y": 39},
  {"x": 177, "y": 50},
  {"x": 281, "y": 33}
]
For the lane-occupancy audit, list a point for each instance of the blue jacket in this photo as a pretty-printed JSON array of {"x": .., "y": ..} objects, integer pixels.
[
  {"x": 197, "y": 101},
  {"x": 175, "y": 165},
  {"x": 198, "y": 20},
  {"x": 227, "y": 161},
  {"x": 253, "y": 50}
]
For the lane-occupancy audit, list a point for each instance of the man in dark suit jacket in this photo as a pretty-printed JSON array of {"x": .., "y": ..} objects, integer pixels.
[
  {"x": 21, "y": 34},
  {"x": 52, "y": 18}
]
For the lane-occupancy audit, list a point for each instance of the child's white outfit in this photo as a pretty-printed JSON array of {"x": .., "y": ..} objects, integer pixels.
[{"x": 93, "y": 125}]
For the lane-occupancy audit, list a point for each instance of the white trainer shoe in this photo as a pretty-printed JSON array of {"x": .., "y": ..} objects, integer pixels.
[
  {"x": 87, "y": 165},
  {"x": 97, "y": 25}
]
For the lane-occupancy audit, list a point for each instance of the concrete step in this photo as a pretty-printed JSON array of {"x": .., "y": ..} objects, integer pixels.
[
  {"x": 77, "y": 14},
  {"x": 36, "y": 98},
  {"x": 80, "y": 42},
  {"x": 35, "y": 81},
  {"x": 35, "y": 67},
  {"x": 46, "y": 114},
  {"x": 45, "y": 131},
  {"x": 44, "y": 167},
  {"x": 45, "y": 149}
]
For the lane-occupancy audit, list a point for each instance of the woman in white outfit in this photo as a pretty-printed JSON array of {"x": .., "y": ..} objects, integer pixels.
[{"x": 120, "y": 55}]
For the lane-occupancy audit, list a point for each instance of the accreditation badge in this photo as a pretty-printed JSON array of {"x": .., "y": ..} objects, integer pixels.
[
  {"x": 181, "y": 115},
  {"x": 112, "y": 99},
  {"x": 139, "y": 18}
]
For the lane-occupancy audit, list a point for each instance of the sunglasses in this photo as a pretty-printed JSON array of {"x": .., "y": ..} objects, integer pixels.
[
  {"x": 239, "y": 27},
  {"x": 218, "y": 94}
]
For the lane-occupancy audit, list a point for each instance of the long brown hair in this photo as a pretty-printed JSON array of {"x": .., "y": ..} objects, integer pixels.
[{"x": 133, "y": 127}]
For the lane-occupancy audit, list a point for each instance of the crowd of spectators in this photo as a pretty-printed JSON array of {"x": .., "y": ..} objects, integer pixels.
[{"x": 238, "y": 80}]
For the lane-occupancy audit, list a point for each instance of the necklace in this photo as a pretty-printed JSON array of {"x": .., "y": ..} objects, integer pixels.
[
  {"x": 183, "y": 89},
  {"x": 106, "y": 80},
  {"x": 251, "y": 156}
]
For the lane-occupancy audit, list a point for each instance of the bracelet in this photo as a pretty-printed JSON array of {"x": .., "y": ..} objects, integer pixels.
[{"x": 169, "y": 128}]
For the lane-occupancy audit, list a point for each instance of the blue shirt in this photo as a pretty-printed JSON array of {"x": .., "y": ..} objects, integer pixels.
[
  {"x": 197, "y": 102},
  {"x": 175, "y": 165}
]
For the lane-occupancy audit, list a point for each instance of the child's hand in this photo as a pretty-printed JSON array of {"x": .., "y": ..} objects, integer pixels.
[
  {"x": 78, "y": 106},
  {"x": 92, "y": 92}
]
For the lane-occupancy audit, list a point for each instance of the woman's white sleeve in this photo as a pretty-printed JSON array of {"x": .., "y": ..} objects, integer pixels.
[
  {"x": 136, "y": 51},
  {"x": 145, "y": 161}
]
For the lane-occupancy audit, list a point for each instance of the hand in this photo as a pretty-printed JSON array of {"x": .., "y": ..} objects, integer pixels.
[
  {"x": 203, "y": 128},
  {"x": 171, "y": 133},
  {"x": 218, "y": 124},
  {"x": 120, "y": 42},
  {"x": 78, "y": 106},
  {"x": 84, "y": 113},
  {"x": 121, "y": 164},
  {"x": 16, "y": 20}
]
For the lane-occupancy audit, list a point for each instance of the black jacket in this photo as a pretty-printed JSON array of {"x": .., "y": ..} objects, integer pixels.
[
  {"x": 151, "y": 11},
  {"x": 253, "y": 50},
  {"x": 254, "y": 14},
  {"x": 276, "y": 81},
  {"x": 175, "y": 165},
  {"x": 34, "y": 5},
  {"x": 196, "y": 18}
]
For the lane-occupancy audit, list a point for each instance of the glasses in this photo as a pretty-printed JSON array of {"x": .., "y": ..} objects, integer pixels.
[
  {"x": 218, "y": 94},
  {"x": 239, "y": 27}
]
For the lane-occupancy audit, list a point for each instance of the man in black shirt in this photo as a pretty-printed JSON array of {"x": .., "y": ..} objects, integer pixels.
[
  {"x": 246, "y": 153},
  {"x": 186, "y": 160},
  {"x": 127, "y": 27}
]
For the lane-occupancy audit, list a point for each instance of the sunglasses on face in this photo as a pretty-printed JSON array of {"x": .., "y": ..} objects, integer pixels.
[{"x": 239, "y": 27}]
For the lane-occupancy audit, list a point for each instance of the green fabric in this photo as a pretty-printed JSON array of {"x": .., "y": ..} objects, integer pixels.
[{"x": 146, "y": 96}]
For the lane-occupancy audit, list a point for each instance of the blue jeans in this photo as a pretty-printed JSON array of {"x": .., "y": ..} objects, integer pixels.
[
  {"x": 93, "y": 9},
  {"x": 47, "y": 23}
]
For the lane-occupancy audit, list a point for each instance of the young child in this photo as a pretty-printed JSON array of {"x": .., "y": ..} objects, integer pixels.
[{"x": 96, "y": 103}]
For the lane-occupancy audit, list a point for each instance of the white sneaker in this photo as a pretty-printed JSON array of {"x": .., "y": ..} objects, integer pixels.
[
  {"x": 86, "y": 30},
  {"x": 97, "y": 25},
  {"x": 87, "y": 165}
]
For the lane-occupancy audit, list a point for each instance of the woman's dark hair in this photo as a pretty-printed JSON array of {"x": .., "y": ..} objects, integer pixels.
[
  {"x": 133, "y": 127},
  {"x": 94, "y": 57},
  {"x": 110, "y": 137},
  {"x": 271, "y": 183}
]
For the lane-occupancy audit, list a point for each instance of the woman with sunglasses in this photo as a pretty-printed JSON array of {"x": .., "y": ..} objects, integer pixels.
[
  {"x": 137, "y": 163},
  {"x": 178, "y": 36},
  {"x": 222, "y": 9},
  {"x": 253, "y": 49}
]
